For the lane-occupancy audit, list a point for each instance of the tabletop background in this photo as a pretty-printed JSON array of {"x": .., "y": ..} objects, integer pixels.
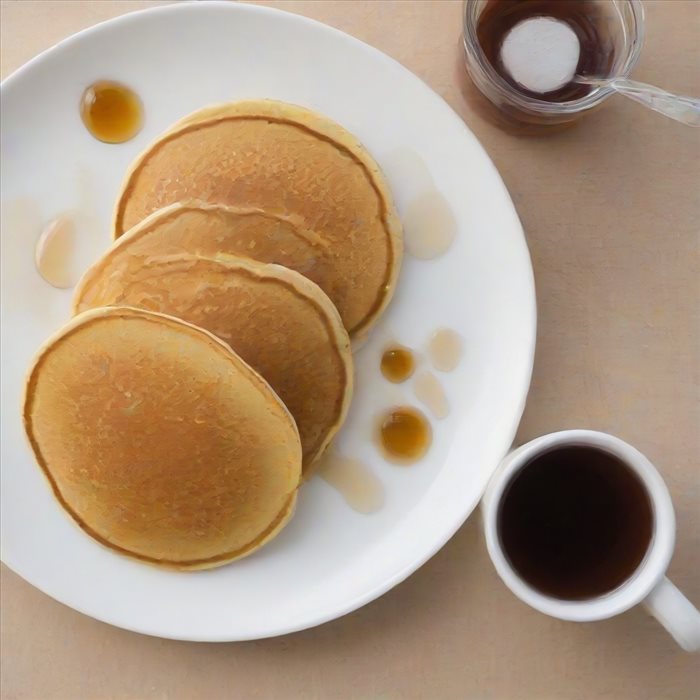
[{"x": 611, "y": 211}]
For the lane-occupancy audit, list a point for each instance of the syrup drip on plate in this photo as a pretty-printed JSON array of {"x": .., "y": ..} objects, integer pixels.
[
  {"x": 429, "y": 226},
  {"x": 430, "y": 393},
  {"x": 111, "y": 112},
  {"x": 359, "y": 487},
  {"x": 445, "y": 349},
  {"x": 397, "y": 364},
  {"x": 53, "y": 255},
  {"x": 404, "y": 435}
]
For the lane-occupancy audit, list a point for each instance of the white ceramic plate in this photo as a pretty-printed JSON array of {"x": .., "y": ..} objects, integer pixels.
[{"x": 330, "y": 559}]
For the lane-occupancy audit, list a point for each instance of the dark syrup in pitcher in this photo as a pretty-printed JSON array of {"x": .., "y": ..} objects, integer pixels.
[{"x": 587, "y": 19}]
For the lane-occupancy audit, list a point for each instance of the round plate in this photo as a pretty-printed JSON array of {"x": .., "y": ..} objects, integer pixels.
[{"x": 330, "y": 559}]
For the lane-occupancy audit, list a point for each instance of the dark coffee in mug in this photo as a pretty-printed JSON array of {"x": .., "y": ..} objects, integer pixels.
[{"x": 575, "y": 522}]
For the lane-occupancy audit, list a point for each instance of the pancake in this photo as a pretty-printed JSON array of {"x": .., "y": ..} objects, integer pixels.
[
  {"x": 278, "y": 321},
  {"x": 209, "y": 229},
  {"x": 159, "y": 441},
  {"x": 288, "y": 161}
]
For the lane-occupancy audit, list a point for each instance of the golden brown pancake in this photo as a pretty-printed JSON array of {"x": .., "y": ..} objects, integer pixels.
[
  {"x": 209, "y": 229},
  {"x": 289, "y": 161},
  {"x": 278, "y": 321},
  {"x": 159, "y": 440}
]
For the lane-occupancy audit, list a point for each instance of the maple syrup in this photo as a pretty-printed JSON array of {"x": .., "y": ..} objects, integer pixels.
[
  {"x": 589, "y": 21},
  {"x": 111, "y": 112},
  {"x": 53, "y": 255},
  {"x": 397, "y": 364},
  {"x": 430, "y": 226},
  {"x": 430, "y": 393},
  {"x": 404, "y": 435},
  {"x": 445, "y": 349},
  {"x": 358, "y": 486}
]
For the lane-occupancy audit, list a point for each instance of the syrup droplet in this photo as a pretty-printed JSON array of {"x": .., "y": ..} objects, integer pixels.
[
  {"x": 445, "y": 349},
  {"x": 408, "y": 174},
  {"x": 397, "y": 364},
  {"x": 360, "y": 488},
  {"x": 404, "y": 435},
  {"x": 112, "y": 112},
  {"x": 429, "y": 391},
  {"x": 429, "y": 226},
  {"x": 53, "y": 255}
]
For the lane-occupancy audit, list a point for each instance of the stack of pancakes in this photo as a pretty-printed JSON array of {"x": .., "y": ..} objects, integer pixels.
[{"x": 209, "y": 362}]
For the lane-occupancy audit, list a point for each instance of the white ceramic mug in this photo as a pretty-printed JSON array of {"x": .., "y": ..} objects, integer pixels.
[{"x": 647, "y": 585}]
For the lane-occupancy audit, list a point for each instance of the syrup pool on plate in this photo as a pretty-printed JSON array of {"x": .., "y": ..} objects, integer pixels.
[
  {"x": 430, "y": 226},
  {"x": 429, "y": 392},
  {"x": 397, "y": 364},
  {"x": 355, "y": 482},
  {"x": 111, "y": 112},
  {"x": 404, "y": 435},
  {"x": 53, "y": 255},
  {"x": 445, "y": 349}
]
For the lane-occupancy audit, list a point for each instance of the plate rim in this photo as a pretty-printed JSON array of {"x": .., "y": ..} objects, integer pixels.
[{"x": 531, "y": 323}]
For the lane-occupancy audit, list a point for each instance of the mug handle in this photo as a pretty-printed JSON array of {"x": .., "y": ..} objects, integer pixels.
[{"x": 676, "y": 613}]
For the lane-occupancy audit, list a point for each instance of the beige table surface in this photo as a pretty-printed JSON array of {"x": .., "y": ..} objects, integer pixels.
[{"x": 612, "y": 211}]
